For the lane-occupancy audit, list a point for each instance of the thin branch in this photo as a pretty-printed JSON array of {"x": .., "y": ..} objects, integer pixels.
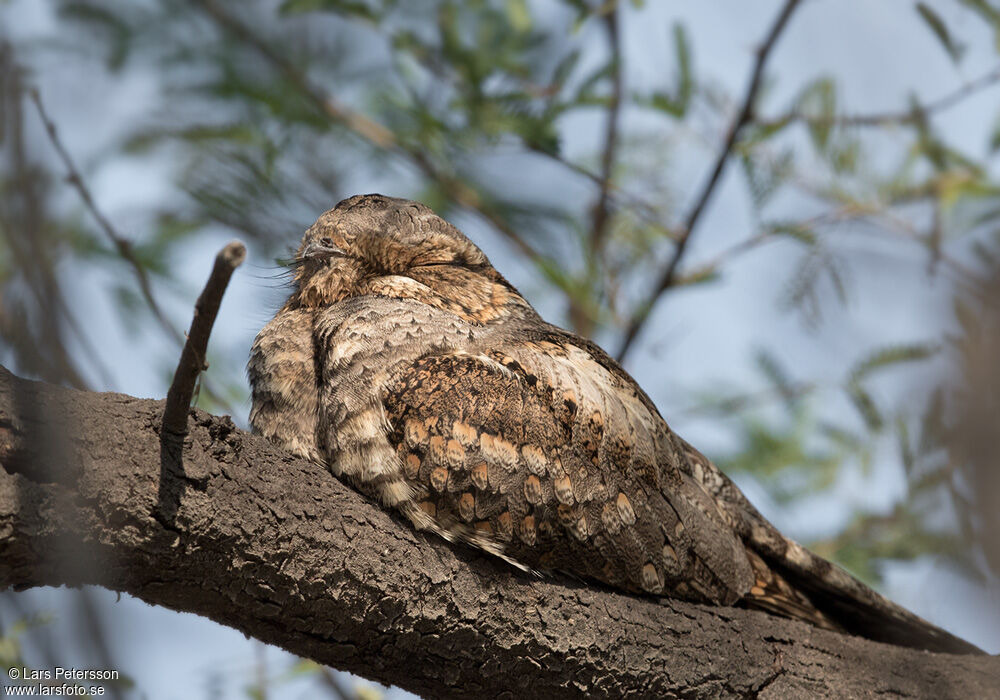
[
  {"x": 751, "y": 400},
  {"x": 581, "y": 318},
  {"x": 895, "y": 118},
  {"x": 36, "y": 338},
  {"x": 192, "y": 361},
  {"x": 601, "y": 219},
  {"x": 843, "y": 213},
  {"x": 668, "y": 277},
  {"x": 368, "y": 129},
  {"x": 333, "y": 684},
  {"x": 121, "y": 244}
]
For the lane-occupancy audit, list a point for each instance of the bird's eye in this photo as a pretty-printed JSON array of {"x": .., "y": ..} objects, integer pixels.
[{"x": 322, "y": 248}]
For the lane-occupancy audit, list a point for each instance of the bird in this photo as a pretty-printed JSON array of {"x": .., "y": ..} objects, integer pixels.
[{"x": 409, "y": 367}]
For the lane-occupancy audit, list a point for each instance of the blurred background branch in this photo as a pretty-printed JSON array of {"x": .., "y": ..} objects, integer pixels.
[{"x": 744, "y": 116}]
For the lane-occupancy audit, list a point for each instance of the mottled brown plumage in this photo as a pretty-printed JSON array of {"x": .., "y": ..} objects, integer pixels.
[{"x": 410, "y": 367}]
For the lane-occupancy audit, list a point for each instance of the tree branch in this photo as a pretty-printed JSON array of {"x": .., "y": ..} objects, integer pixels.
[
  {"x": 192, "y": 361},
  {"x": 601, "y": 217},
  {"x": 746, "y": 112},
  {"x": 120, "y": 243},
  {"x": 943, "y": 103},
  {"x": 279, "y": 549},
  {"x": 581, "y": 318}
]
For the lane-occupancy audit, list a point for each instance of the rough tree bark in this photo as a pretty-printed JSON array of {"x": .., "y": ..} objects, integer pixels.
[{"x": 279, "y": 549}]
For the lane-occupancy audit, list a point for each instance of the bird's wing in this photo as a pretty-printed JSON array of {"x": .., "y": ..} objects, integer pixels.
[{"x": 536, "y": 453}]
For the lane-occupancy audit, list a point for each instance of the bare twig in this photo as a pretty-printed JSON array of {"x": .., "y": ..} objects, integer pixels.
[
  {"x": 848, "y": 212},
  {"x": 941, "y": 104},
  {"x": 121, "y": 244},
  {"x": 668, "y": 277},
  {"x": 581, "y": 318},
  {"x": 192, "y": 360}
]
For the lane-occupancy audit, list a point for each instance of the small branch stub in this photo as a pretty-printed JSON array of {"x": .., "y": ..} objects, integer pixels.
[{"x": 192, "y": 360}]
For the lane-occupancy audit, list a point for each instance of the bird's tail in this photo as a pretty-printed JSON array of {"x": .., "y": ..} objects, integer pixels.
[
  {"x": 837, "y": 600},
  {"x": 793, "y": 582}
]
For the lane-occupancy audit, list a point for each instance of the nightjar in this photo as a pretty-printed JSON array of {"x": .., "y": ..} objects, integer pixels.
[{"x": 407, "y": 364}]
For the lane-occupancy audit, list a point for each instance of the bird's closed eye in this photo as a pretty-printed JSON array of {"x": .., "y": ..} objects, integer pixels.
[{"x": 322, "y": 248}]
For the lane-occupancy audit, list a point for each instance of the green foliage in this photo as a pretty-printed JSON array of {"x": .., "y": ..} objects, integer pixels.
[
  {"x": 818, "y": 102},
  {"x": 793, "y": 453},
  {"x": 901, "y": 535},
  {"x": 11, "y": 654},
  {"x": 877, "y": 361},
  {"x": 676, "y": 103},
  {"x": 799, "y": 455},
  {"x": 266, "y": 123},
  {"x": 940, "y": 30},
  {"x": 359, "y": 10},
  {"x": 111, "y": 27}
]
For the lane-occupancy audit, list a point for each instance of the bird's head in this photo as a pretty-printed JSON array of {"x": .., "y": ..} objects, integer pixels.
[{"x": 382, "y": 246}]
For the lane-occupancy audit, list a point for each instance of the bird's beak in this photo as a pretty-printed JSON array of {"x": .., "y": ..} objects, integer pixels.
[{"x": 319, "y": 249}]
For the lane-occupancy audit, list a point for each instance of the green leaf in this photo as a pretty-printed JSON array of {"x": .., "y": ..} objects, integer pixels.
[
  {"x": 675, "y": 104},
  {"x": 664, "y": 102},
  {"x": 933, "y": 434},
  {"x": 565, "y": 68},
  {"x": 146, "y": 140},
  {"x": 984, "y": 9},
  {"x": 359, "y": 10},
  {"x": 797, "y": 231},
  {"x": 890, "y": 357},
  {"x": 765, "y": 178},
  {"x": 585, "y": 92},
  {"x": 866, "y": 407},
  {"x": 818, "y": 102},
  {"x": 114, "y": 28},
  {"x": 518, "y": 15},
  {"x": 777, "y": 375},
  {"x": 844, "y": 155},
  {"x": 905, "y": 446},
  {"x": 682, "y": 52},
  {"x": 874, "y": 362},
  {"x": 702, "y": 275},
  {"x": 995, "y": 136},
  {"x": 940, "y": 30}
]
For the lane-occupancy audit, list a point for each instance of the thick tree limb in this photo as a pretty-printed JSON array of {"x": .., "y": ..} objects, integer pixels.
[{"x": 279, "y": 549}]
